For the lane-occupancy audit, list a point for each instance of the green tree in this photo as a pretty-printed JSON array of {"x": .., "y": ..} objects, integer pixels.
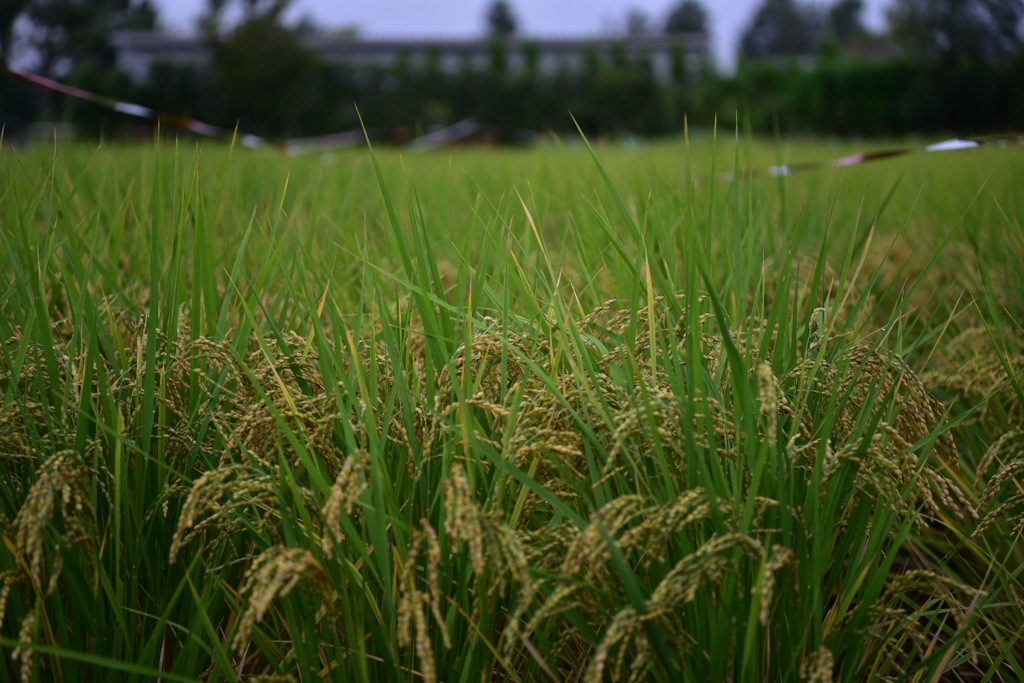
[
  {"x": 213, "y": 23},
  {"x": 65, "y": 34},
  {"x": 688, "y": 16},
  {"x": 982, "y": 30},
  {"x": 844, "y": 21},
  {"x": 265, "y": 75},
  {"x": 782, "y": 28},
  {"x": 501, "y": 21},
  {"x": 10, "y": 11},
  {"x": 637, "y": 23}
]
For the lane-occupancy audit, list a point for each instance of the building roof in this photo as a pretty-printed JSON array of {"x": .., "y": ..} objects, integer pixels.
[{"x": 158, "y": 42}]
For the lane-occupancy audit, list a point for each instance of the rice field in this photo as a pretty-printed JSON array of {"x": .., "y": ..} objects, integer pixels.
[{"x": 562, "y": 414}]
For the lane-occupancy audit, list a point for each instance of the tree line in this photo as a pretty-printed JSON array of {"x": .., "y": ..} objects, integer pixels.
[{"x": 954, "y": 65}]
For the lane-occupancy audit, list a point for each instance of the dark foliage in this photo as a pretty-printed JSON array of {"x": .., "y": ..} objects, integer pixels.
[
  {"x": 501, "y": 22},
  {"x": 263, "y": 79},
  {"x": 782, "y": 28},
  {"x": 66, "y": 34},
  {"x": 613, "y": 95},
  {"x": 959, "y": 30},
  {"x": 845, "y": 22},
  {"x": 689, "y": 16}
]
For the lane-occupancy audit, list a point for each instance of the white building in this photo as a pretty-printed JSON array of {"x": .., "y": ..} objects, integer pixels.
[{"x": 138, "y": 51}]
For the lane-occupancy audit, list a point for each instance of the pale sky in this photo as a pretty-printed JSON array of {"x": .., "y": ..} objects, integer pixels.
[{"x": 465, "y": 18}]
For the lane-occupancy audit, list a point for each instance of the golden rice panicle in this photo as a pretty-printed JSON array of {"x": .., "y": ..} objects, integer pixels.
[
  {"x": 412, "y": 615},
  {"x": 914, "y": 579},
  {"x": 588, "y": 553},
  {"x": 770, "y": 398},
  {"x": 505, "y": 557},
  {"x": 62, "y": 485},
  {"x": 23, "y": 651},
  {"x": 705, "y": 566},
  {"x": 660, "y": 525},
  {"x": 274, "y": 574},
  {"x": 781, "y": 557},
  {"x": 14, "y": 441},
  {"x": 7, "y": 580},
  {"x": 1010, "y": 452},
  {"x": 1010, "y": 511},
  {"x": 899, "y": 607},
  {"x": 225, "y": 393},
  {"x": 241, "y": 487},
  {"x": 918, "y": 413},
  {"x": 680, "y": 586},
  {"x": 565, "y": 597},
  {"x": 464, "y": 517},
  {"x": 434, "y": 576},
  {"x": 413, "y": 622},
  {"x": 980, "y": 372},
  {"x": 818, "y": 667},
  {"x": 841, "y": 297},
  {"x": 348, "y": 486},
  {"x": 882, "y": 385},
  {"x": 625, "y": 629},
  {"x": 1009, "y": 447},
  {"x": 489, "y": 355}
]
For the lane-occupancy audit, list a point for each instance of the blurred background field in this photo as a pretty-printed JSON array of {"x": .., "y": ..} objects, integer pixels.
[{"x": 281, "y": 69}]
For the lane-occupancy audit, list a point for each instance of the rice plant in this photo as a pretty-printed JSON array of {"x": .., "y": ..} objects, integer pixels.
[{"x": 559, "y": 414}]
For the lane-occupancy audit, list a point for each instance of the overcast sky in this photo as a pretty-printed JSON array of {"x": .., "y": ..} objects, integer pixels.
[{"x": 463, "y": 18}]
